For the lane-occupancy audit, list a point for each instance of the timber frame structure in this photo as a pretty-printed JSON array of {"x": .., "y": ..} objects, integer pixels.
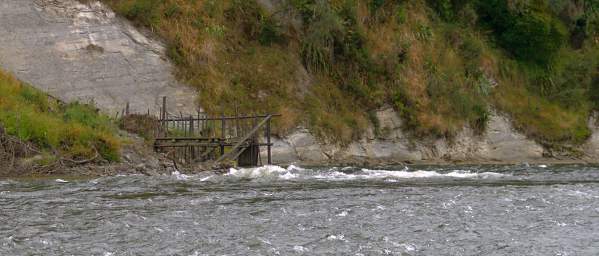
[{"x": 200, "y": 138}]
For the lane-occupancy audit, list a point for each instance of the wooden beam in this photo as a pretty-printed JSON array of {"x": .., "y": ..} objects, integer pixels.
[{"x": 245, "y": 138}]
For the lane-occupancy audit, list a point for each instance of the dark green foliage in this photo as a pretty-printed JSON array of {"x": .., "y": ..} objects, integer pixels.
[
  {"x": 255, "y": 23},
  {"x": 323, "y": 30},
  {"x": 376, "y": 4},
  {"x": 144, "y": 12},
  {"x": 449, "y": 10},
  {"x": 172, "y": 11},
  {"x": 443, "y": 8},
  {"x": 270, "y": 32},
  {"x": 534, "y": 38},
  {"x": 175, "y": 52},
  {"x": 531, "y": 33}
]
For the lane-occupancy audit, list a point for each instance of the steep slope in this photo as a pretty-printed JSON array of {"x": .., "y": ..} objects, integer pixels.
[
  {"x": 443, "y": 65},
  {"x": 449, "y": 80},
  {"x": 78, "y": 52}
]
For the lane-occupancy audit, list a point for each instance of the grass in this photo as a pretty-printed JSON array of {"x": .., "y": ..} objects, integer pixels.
[
  {"x": 74, "y": 130},
  {"x": 439, "y": 65},
  {"x": 543, "y": 119}
]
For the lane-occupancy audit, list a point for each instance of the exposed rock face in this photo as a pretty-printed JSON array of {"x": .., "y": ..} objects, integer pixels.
[
  {"x": 592, "y": 145},
  {"x": 501, "y": 143},
  {"x": 82, "y": 52}
]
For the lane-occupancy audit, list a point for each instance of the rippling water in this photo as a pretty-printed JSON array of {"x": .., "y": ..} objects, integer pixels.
[{"x": 466, "y": 210}]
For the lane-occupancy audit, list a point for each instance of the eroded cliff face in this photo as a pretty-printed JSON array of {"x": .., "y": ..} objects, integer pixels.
[
  {"x": 591, "y": 148},
  {"x": 82, "y": 52},
  {"x": 501, "y": 143}
]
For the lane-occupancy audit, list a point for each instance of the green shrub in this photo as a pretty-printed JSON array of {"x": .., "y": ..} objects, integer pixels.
[
  {"x": 324, "y": 29},
  {"x": 375, "y": 5},
  {"x": 531, "y": 33},
  {"x": 444, "y": 8},
  {"x": 74, "y": 130},
  {"x": 144, "y": 12},
  {"x": 172, "y": 11},
  {"x": 270, "y": 32}
]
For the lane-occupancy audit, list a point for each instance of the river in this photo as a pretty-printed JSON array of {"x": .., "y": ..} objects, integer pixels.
[{"x": 420, "y": 210}]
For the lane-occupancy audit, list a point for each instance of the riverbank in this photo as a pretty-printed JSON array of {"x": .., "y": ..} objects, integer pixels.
[
  {"x": 136, "y": 157},
  {"x": 501, "y": 143},
  {"x": 122, "y": 64}
]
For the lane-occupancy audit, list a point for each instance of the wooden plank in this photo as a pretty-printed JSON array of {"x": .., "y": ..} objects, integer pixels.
[
  {"x": 269, "y": 147},
  {"x": 192, "y": 144},
  {"x": 226, "y": 118},
  {"x": 245, "y": 138}
]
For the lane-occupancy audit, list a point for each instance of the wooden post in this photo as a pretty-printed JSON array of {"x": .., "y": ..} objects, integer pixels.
[
  {"x": 191, "y": 124},
  {"x": 199, "y": 124},
  {"x": 164, "y": 107},
  {"x": 222, "y": 134},
  {"x": 254, "y": 142},
  {"x": 268, "y": 144},
  {"x": 236, "y": 120}
]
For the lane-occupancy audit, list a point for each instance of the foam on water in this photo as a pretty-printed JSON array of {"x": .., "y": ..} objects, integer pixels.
[
  {"x": 179, "y": 176},
  {"x": 336, "y": 174},
  {"x": 267, "y": 171}
]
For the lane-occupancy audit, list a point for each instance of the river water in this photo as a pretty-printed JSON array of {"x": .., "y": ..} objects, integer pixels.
[{"x": 426, "y": 210}]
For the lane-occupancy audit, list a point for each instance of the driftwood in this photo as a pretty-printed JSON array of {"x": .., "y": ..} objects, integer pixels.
[{"x": 11, "y": 149}]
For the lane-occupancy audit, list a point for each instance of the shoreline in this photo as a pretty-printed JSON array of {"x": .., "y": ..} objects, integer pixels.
[{"x": 166, "y": 168}]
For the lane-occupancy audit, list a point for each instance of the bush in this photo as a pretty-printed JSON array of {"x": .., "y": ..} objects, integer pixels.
[
  {"x": 449, "y": 10},
  {"x": 74, "y": 130},
  {"x": 144, "y": 12},
  {"x": 270, "y": 32},
  {"x": 531, "y": 33}
]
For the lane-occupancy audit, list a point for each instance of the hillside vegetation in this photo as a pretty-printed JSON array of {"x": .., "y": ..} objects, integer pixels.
[
  {"x": 443, "y": 64},
  {"x": 71, "y": 131}
]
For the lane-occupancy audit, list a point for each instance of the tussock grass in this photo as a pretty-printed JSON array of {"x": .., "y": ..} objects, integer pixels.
[
  {"x": 329, "y": 64},
  {"x": 74, "y": 130}
]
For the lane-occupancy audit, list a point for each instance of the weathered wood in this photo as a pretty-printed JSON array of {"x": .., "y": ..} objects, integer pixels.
[
  {"x": 227, "y": 118},
  {"x": 222, "y": 134},
  {"x": 163, "y": 108},
  {"x": 245, "y": 138},
  {"x": 269, "y": 147},
  {"x": 190, "y": 139}
]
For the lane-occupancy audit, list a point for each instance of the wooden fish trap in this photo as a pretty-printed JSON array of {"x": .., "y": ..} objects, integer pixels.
[{"x": 200, "y": 138}]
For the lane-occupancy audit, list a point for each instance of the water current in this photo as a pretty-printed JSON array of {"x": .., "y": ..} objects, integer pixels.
[{"x": 420, "y": 210}]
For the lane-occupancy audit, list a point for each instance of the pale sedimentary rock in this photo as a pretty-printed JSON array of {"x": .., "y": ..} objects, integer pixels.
[
  {"x": 592, "y": 145},
  {"x": 83, "y": 52},
  {"x": 500, "y": 143}
]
